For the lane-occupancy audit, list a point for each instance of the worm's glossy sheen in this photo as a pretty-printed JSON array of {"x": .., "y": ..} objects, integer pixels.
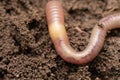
[{"x": 55, "y": 19}]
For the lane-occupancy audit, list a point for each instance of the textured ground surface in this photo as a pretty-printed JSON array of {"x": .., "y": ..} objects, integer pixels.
[{"x": 27, "y": 53}]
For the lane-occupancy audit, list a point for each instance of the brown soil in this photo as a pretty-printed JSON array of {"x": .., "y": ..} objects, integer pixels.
[{"x": 27, "y": 53}]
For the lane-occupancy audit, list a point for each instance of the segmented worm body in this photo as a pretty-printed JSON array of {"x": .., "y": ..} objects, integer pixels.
[{"x": 55, "y": 19}]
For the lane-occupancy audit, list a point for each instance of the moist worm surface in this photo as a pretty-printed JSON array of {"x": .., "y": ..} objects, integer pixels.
[{"x": 55, "y": 19}]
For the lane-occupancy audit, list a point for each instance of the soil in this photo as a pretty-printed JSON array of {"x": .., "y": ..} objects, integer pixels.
[{"x": 26, "y": 50}]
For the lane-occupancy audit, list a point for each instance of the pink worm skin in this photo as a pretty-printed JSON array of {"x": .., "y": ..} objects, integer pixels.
[{"x": 55, "y": 19}]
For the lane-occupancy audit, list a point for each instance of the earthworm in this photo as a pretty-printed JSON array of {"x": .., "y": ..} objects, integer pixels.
[{"x": 57, "y": 31}]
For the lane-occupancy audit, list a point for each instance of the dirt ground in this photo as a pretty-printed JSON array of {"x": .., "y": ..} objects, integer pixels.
[{"x": 26, "y": 50}]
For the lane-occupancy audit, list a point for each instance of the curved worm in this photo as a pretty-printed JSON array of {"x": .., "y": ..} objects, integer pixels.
[{"x": 55, "y": 19}]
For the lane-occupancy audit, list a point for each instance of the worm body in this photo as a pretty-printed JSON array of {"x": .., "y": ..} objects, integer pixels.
[{"x": 55, "y": 19}]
